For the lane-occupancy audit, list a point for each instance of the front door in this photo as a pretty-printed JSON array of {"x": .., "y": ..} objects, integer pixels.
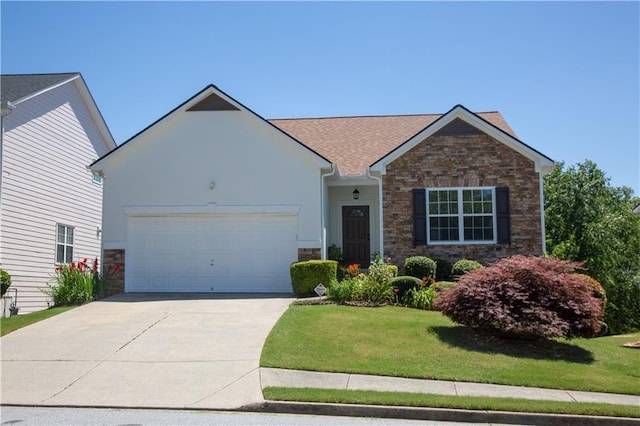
[{"x": 355, "y": 235}]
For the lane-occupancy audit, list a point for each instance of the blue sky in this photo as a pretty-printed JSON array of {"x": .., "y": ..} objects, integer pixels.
[{"x": 565, "y": 75}]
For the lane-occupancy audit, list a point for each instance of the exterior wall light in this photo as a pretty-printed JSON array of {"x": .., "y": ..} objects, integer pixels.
[{"x": 356, "y": 194}]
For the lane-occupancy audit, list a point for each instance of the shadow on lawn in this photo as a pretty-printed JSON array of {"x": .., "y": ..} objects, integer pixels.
[{"x": 480, "y": 341}]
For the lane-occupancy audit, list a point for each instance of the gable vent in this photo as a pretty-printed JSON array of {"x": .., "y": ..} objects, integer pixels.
[
  {"x": 458, "y": 127},
  {"x": 213, "y": 102}
]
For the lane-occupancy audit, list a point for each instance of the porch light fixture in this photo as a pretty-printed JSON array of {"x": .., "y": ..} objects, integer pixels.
[{"x": 356, "y": 194}]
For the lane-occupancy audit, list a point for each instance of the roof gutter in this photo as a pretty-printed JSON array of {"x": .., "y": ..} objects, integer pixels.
[{"x": 323, "y": 213}]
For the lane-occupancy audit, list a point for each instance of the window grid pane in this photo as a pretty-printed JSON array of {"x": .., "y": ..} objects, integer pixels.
[
  {"x": 64, "y": 244},
  {"x": 474, "y": 221}
]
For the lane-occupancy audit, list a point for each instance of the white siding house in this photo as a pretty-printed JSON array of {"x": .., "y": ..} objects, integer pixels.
[
  {"x": 50, "y": 202},
  {"x": 211, "y": 198}
]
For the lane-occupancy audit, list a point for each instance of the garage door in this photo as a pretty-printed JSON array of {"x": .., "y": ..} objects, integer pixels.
[{"x": 219, "y": 253}]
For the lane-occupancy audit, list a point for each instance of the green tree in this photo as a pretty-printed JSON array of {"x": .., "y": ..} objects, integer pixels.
[{"x": 590, "y": 221}]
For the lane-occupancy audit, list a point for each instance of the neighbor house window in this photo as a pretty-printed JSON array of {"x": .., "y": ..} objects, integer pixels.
[
  {"x": 97, "y": 177},
  {"x": 461, "y": 215},
  {"x": 64, "y": 244}
]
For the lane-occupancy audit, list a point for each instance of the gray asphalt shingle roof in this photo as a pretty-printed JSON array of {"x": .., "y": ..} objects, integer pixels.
[{"x": 17, "y": 86}]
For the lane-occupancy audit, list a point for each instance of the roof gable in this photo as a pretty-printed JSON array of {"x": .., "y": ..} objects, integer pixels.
[
  {"x": 210, "y": 99},
  {"x": 18, "y": 88},
  {"x": 456, "y": 118}
]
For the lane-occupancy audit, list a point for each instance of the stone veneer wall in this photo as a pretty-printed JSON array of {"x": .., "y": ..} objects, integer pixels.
[
  {"x": 111, "y": 258},
  {"x": 309, "y": 254},
  {"x": 461, "y": 161}
]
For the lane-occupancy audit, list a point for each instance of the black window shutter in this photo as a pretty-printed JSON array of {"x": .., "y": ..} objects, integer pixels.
[
  {"x": 503, "y": 215},
  {"x": 419, "y": 216}
]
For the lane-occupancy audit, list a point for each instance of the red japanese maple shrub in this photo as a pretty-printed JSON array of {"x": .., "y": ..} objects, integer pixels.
[{"x": 525, "y": 297}]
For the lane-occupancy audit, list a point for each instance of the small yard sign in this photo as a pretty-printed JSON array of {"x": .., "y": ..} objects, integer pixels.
[{"x": 320, "y": 290}]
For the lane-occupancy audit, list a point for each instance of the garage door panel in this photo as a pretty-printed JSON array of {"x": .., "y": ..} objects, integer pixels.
[{"x": 250, "y": 253}]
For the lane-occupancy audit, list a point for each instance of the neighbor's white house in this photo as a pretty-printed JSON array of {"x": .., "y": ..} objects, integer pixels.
[{"x": 50, "y": 201}]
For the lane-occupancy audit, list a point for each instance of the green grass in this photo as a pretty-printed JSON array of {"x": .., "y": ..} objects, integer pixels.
[
  {"x": 7, "y": 325},
  {"x": 393, "y": 341},
  {"x": 453, "y": 402}
]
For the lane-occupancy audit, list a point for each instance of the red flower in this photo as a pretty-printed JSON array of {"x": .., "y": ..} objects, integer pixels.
[
  {"x": 117, "y": 267},
  {"x": 396, "y": 290},
  {"x": 95, "y": 265}
]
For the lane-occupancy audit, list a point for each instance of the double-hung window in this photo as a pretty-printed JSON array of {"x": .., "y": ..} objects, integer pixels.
[
  {"x": 461, "y": 215},
  {"x": 64, "y": 244}
]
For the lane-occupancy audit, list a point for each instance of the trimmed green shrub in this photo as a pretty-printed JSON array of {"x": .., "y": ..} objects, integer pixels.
[
  {"x": 305, "y": 276},
  {"x": 420, "y": 267},
  {"x": 463, "y": 266},
  {"x": 405, "y": 283},
  {"x": 525, "y": 297},
  {"x": 5, "y": 280},
  {"x": 443, "y": 270}
]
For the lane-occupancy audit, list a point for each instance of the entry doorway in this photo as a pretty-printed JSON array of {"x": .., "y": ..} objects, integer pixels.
[{"x": 356, "y": 246}]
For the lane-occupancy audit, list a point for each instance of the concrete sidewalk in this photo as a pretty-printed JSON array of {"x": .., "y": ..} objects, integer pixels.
[{"x": 272, "y": 377}]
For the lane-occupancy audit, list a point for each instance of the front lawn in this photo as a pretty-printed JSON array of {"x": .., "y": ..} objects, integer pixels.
[
  {"x": 7, "y": 325},
  {"x": 403, "y": 342}
]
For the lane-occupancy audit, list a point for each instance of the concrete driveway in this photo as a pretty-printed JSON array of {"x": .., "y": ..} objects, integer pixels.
[{"x": 143, "y": 350}]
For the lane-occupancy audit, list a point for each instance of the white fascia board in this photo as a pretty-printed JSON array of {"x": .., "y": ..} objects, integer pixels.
[
  {"x": 541, "y": 162},
  {"x": 95, "y": 112},
  {"x": 351, "y": 180}
]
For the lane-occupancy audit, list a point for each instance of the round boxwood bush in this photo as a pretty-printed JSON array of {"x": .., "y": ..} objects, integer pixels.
[
  {"x": 525, "y": 297},
  {"x": 463, "y": 266},
  {"x": 305, "y": 276},
  {"x": 443, "y": 270},
  {"x": 5, "y": 280},
  {"x": 420, "y": 267},
  {"x": 405, "y": 283}
]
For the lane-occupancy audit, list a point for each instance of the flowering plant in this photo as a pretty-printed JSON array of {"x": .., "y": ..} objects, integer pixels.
[
  {"x": 352, "y": 270},
  {"x": 79, "y": 282}
]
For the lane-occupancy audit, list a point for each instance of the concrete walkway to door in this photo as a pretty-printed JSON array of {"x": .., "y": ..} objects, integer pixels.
[{"x": 143, "y": 350}]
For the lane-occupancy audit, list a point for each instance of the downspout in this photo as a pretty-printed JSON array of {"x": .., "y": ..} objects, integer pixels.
[
  {"x": 381, "y": 219},
  {"x": 323, "y": 229},
  {"x": 7, "y": 109},
  {"x": 542, "y": 223}
]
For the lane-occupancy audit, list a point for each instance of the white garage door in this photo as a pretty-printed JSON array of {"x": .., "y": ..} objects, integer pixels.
[{"x": 215, "y": 253}]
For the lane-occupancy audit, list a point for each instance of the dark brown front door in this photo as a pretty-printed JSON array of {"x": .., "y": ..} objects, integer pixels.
[{"x": 355, "y": 235}]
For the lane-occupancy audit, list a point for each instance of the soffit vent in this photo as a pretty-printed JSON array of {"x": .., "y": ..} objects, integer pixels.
[
  {"x": 213, "y": 102},
  {"x": 458, "y": 127}
]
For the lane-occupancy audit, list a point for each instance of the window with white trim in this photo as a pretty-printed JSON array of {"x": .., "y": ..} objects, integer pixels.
[
  {"x": 64, "y": 244},
  {"x": 97, "y": 177},
  {"x": 461, "y": 215}
]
